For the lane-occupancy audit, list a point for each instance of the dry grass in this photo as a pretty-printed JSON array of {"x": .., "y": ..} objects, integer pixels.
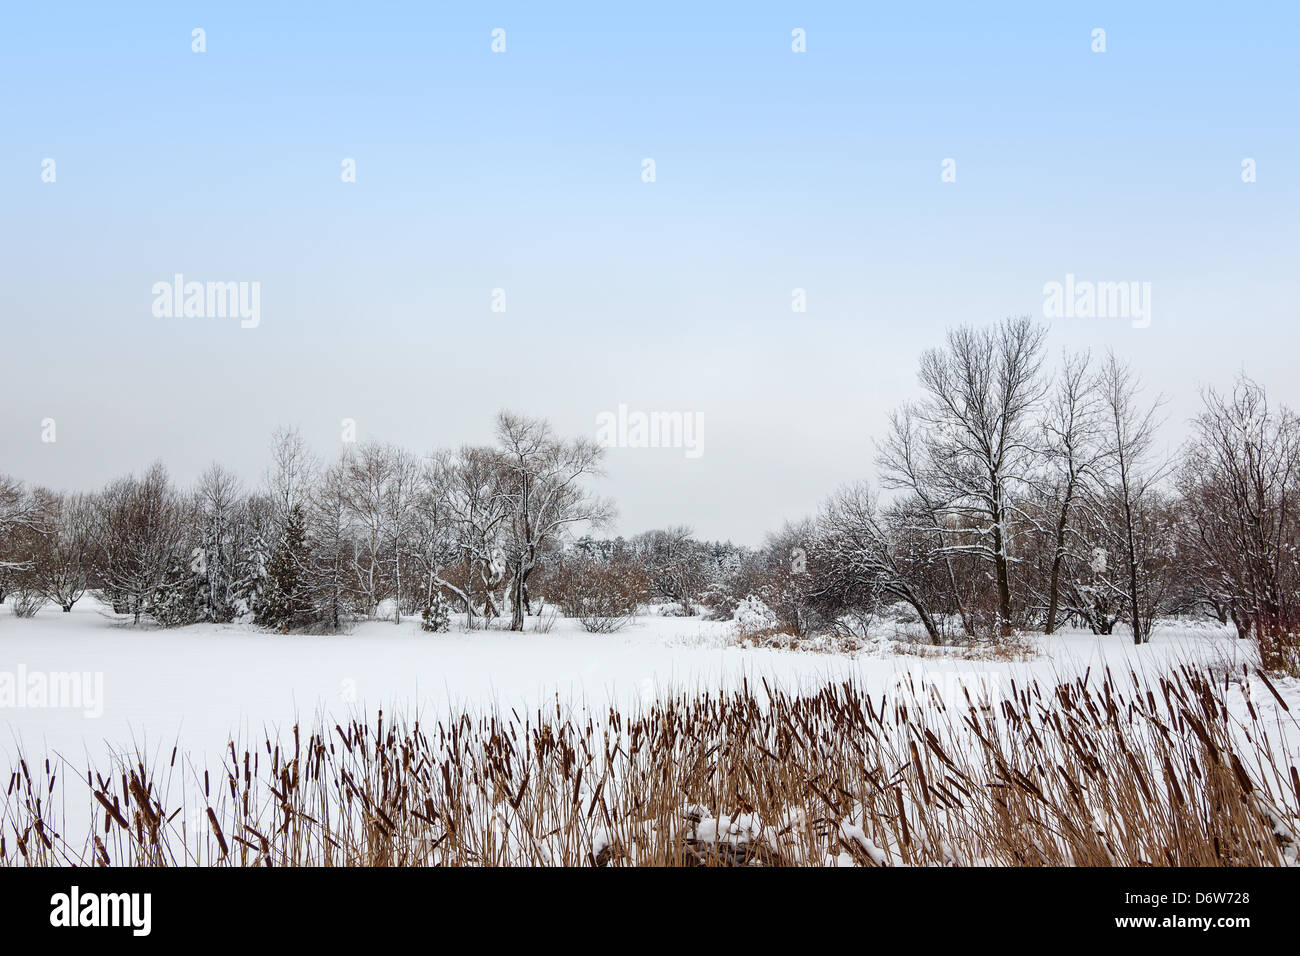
[
  {"x": 1101, "y": 771},
  {"x": 779, "y": 637}
]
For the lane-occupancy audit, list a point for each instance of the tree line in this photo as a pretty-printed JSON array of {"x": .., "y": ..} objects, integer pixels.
[
  {"x": 1012, "y": 493},
  {"x": 1022, "y": 496},
  {"x": 378, "y": 530}
]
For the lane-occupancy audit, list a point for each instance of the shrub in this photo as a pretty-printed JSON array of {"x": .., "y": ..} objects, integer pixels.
[
  {"x": 545, "y": 620},
  {"x": 26, "y": 602},
  {"x": 173, "y": 603},
  {"x": 602, "y": 595},
  {"x": 1278, "y": 639},
  {"x": 437, "y": 616},
  {"x": 752, "y": 617}
]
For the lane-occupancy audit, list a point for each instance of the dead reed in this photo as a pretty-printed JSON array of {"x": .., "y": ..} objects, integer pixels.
[{"x": 1100, "y": 771}]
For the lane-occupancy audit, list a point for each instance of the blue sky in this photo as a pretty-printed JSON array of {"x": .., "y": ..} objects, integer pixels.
[{"x": 521, "y": 171}]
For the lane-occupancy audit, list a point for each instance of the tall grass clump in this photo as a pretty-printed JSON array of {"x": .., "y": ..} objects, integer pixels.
[{"x": 1102, "y": 770}]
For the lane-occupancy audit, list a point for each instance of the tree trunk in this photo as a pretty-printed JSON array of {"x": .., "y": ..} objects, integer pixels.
[
  {"x": 519, "y": 596},
  {"x": 397, "y": 604},
  {"x": 928, "y": 623},
  {"x": 1139, "y": 630},
  {"x": 1242, "y": 621},
  {"x": 517, "y": 601},
  {"x": 1054, "y": 587},
  {"x": 1000, "y": 563},
  {"x": 967, "y": 624}
]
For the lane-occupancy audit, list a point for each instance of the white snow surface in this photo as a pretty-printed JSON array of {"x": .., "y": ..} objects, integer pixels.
[{"x": 198, "y": 687}]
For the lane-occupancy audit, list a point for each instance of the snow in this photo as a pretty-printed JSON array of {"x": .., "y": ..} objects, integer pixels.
[
  {"x": 199, "y": 687},
  {"x": 753, "y": 615}
]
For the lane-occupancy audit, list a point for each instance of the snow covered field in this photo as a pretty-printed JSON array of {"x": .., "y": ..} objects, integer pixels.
[
  {"x": 200, "y": 686},
  {"x": 83, "y": 687}
]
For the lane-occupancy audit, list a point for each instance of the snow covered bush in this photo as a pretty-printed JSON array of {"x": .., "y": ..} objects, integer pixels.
[
  {"x": 173, "y": 603},
  {"x": 678, "y": 568},
  {"x": 753, "y": 617},
  {"x": 437, "y": 616}
]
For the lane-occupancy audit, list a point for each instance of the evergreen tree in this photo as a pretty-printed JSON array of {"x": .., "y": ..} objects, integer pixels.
[
  {"x": 248, "y": 593},
  {"x": 178, "y": 599},
  {"x": 437, "y": 616},
  {"x": 209, "y": 595},
  {"x": 287, "y": 603}
]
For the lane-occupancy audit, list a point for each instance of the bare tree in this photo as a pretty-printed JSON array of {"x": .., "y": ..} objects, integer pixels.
[
  {"x": 401, "y": 490},
  {"x": 1240, "y": 481},
  {"x": 329, "y": 520},
  {"x": 472, "y": 483},
  {"x": 368, "y": 469},
  {"x": 61, "y": 559},
  {"x": 139, "y": 535},
  {"x": 1128, "y": 486},
  {"x": 433, "y": 538},
  {"x": 977, "y": 442},
  {"x": 857, "y": 557},
  {"x": 19, "y": 518},
  {"x": 543, "y": 486},
  {"x": 289, "y": 478},
  {"x": 675, "y": 563},
  {"x": 1074, "y": 449},
  {"x": 219, "y": 505},
  {"x": 905, "y": 467}
]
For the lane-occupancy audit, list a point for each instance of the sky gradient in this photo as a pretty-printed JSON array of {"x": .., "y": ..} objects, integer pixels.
[{"x": 521, "y": 171}]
